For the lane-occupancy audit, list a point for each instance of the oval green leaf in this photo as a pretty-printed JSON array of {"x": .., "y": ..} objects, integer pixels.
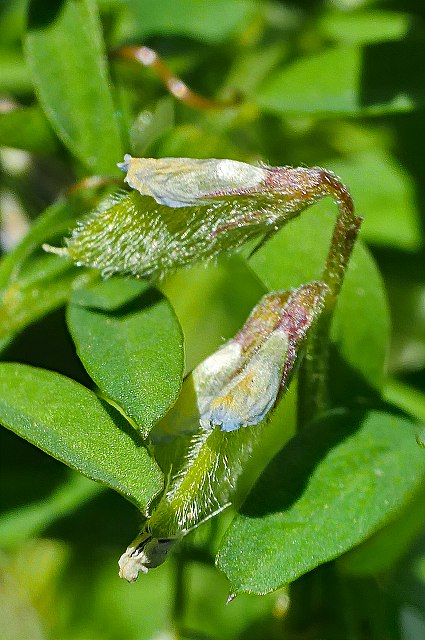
[
  {"x": 131, "y": 344},
  {"x": 72, "y": 424},
  {"x": 66, "y": 56},
  {"x": 328, "y": 490},
  {"x": 377, "y": 78},
  {"x": 43, "y": 286}
]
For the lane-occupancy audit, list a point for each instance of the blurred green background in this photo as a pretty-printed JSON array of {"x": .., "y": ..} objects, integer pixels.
[{"x": 335, "y": 83}]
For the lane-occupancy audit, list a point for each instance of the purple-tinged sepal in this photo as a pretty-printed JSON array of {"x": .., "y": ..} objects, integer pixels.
[{"x": 241, "y": 382}]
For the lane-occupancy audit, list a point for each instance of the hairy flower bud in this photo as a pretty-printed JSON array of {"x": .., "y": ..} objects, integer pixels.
[
  {"x": 240, "y": 383},
  {"x": 182, "y": 182},
  {"x": 184, "y": 210}
]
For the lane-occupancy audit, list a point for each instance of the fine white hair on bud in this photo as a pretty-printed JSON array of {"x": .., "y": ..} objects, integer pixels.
[
  {"x": 186, "y": 210},
  {"x": 182, "y": 182}
]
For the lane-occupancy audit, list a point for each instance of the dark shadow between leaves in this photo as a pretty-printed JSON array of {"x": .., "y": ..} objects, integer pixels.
[
  {"x": 42, "y": 13},
  {"x": 121, "y": 423},
  {"x": 147, "y": 298},
  {"x": 392, "y": 71},
  {"x": 348, "y": 387},
  {"x": 285, "y": 479}
]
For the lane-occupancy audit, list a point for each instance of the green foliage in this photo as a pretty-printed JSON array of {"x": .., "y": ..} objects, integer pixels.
[
  {"x": 360, "y": 471},
  {"x": 326, "y": 518},
  {"x": 66, "y": 55},
  {"x": 72, "y": 424},
  {"x": 297, "y": 254},
  {"x": 349, "y": 81},
  {"x": 140, "y": 340}
]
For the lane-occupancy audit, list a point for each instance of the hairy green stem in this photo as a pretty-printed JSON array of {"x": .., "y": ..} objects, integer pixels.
[{"x": 313, "y": 393}]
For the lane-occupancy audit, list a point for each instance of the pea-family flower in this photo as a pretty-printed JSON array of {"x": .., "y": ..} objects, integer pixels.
[
  {"x": 239, "y": 384},
  {"x": 235, "y": 387},
  {"x": 184, "y": 210}
]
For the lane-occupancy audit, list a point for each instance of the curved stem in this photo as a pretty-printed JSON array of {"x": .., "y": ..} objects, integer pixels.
[{"x": 313, "y": 394}]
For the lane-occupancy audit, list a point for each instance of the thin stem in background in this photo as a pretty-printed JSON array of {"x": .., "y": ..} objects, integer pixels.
[{"x": 179, "y": 89}]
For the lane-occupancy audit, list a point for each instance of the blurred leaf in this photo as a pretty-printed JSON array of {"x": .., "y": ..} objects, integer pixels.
[
  {"x": 55, "y": 220},
  {"x": 19, "y": 524},
  {"x": 296, "y": 255},
  {"x": 18, "y": 618},
  {"x": 14, "y": 73},
  {"x": 133, "y": 353},
  {"x": 252, "y": 67},
  {"x": 66, "y": 55},
  {"x": 12, "y": 22},
  {"x": 151, "y": 125},
  {"x": 388, "y": 204},
  {"x": 406, "y": 290},
  {"x": 206, "y": 613},
  {"x": 190, "y": 140},
  {"x": 374, "y": 79},
  {"x": 219, "y": 298},
  {"x": 28, "y": 129},
  {"x": 343, "y": 479},
  {"x": 406, "y": 398},
  {"x": 361, "y": 27},
  {"x": 211, "y": 22},
  {"x": 72, "y": 424},
  {"x": 38, "y": 565},
  {"x": 45, "y": 286}
]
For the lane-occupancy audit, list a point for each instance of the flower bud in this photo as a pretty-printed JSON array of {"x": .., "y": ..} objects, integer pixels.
[
  {"x": 240, "y": 383},
  {"x": 182, "y": 182},
  {"x": 270, "y": 342},
  {"x": 184, "y": 210}
]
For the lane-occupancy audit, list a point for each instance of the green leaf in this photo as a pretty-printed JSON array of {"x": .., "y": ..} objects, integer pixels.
[
  {"x": 149, "y": 126},
  {"x": 296, "y": 255},
  {"x": 219, "y": 298},
  {"x": 367, "y": 26},
  {"x": 213, "y": 21},
  {"x": 388, "y": 545},
  {"x": 66, "y": 55},
  {"x": 391, "y": 216},
  {"x": 45, "y": 285},
  {"x": 28, "y": 129},
  {"x": 329, "y": 489},
  {"x": 14, "y": 73},
  {"x": 134, "y": 352},
  {"x": 374, "y": 79},
  {"x": 24, "y": 522},
  {"x": 72, "y": 424},
  {"x": 18, "y": 619},
  {"x": 55, "y": 220}
]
